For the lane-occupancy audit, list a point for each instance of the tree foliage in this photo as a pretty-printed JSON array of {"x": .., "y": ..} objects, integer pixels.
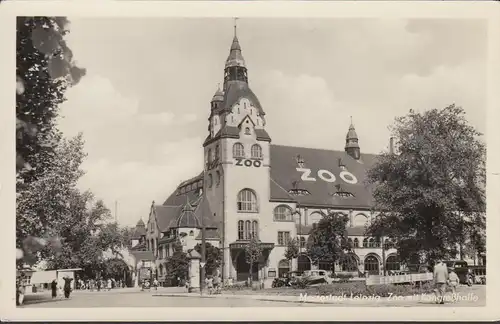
[
  {"x": 431, "y": 193},
  {"x": 328, "y": 241},
  {"x": 44, "y": 70},
  {"x": 213, "y": 257},
  {"x": 253, "y": 254},
  {"x": 177, "y": 265},
  {"x": 292, "y": 249}
]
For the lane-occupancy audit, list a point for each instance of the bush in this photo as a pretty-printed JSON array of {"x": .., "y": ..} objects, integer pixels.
[{"x": 344, "y": 277}]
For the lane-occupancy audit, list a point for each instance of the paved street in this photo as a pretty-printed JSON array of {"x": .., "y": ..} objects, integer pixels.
[{"x": 175, "y": 297}]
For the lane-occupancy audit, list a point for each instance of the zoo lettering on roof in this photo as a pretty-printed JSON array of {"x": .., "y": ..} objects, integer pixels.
[{"x": 327, "y": 176}]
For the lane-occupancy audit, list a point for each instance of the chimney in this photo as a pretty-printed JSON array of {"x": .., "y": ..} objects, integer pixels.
[{"x": 391, "y": 145}]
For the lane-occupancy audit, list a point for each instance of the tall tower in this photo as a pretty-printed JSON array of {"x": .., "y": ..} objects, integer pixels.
[
  {"x": 237, "y": 159},
  {"x": 351, "y": 143}
]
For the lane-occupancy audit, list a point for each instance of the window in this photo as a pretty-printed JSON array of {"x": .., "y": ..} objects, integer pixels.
[
  {"x": 248, "y": 230},
  {"x": 255, "y": 229},
  {"x": 191, "y": 233},
  {"x": 217, "y": 151},
  {"x": 365, "y": 242},
  {"x": 160, "y": 252},
  {"x": 209, "y": 181},
  {"x": 209, "y": 156},
  {"x": 282, "y": 213},
  {"x": 377, "y": 242},
  {"x": 392, "y": 263},
  {"x": 247, "y": 131},
  {"x": 349, "y": 241},
  {"x": 241, "y": 233},
  {"x": 371, "y": 243},
  {"x": 302, "y": 242},
  {"x": 356, "y": 243},
  {"x": 247, "y": 201},
  {"x": 371, "y": 264},
  {"x": 256, "y": 151},
  {"x": 283, "y": 238},
  {"x": 217, "y": 178},
  {"x": 238, "y": 150}
]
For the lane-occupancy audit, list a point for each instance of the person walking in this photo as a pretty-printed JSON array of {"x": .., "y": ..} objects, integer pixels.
[
  {"x": 67, "y": 286},
  {"x": 440, "y": 279},
  {"x": 453, "y": 281},
  {"x": 53, "y": 287}
]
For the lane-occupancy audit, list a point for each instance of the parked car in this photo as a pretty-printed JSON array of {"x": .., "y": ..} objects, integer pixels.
[
  {"x": 461, "y": 269},
  {"x": 479, "y": 274},
  {"x": 317, "y": 277}
]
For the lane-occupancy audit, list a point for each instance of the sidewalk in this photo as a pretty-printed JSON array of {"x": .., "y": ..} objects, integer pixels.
[{"x": 424, "y": 299}]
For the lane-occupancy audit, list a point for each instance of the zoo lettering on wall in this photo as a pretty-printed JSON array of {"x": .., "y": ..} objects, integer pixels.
[
  {"x": 248, "y": 163},
  {"x": 327, "y": 176}
]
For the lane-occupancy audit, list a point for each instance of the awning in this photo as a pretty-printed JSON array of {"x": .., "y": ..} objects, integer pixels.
[{"x": 41, "y": 277}]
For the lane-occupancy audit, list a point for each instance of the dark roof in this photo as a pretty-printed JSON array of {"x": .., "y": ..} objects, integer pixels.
[
  {"x": 284, "y": 173},
  {"x": 234, "y": 132},
  {"x": 210, "y": 234},
  {"x": 139, "y": 230},
  {"x": 240, "y": 89},
  {"x": 187, "y": 218}
]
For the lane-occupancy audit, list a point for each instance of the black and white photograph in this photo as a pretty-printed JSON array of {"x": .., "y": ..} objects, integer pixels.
[{"x": 243, "y": 161}]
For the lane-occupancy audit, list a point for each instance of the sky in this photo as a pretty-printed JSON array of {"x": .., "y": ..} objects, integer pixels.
[{"x": 144, "y": 103}]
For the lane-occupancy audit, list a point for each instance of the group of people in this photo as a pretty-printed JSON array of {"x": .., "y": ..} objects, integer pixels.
[
  {"x": 444, "y": 277},
  {"x": 98, "y": 284},
  {"x": 146, "y": 284},
  {"x": 63, "y": 289}
]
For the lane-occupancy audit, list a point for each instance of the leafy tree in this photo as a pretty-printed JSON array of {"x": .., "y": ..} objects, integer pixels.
[
  {"x": 44, "y": 69},
  {"x": 177, "y": 265},
  {"x": 292, "y": 249},
  {"x": 115, "y": 268},
  {"x": 213, "y": 257},
  {"x": 328, "y": 241},
  {"x": 430, "y": 194},
  {"x": 253, "y": 253}
]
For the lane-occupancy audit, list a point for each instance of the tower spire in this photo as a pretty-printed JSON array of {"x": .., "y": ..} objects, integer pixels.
[
  {"x": 235, "y": 26},
  {"x": 351, "y": 142}
]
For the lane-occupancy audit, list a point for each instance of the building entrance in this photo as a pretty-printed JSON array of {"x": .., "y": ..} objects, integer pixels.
[
  {"x": 303, "y": 263},
  {"x": 243, "y": 268}
]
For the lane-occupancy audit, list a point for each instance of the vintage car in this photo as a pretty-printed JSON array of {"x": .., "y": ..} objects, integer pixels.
[
  {"x": 288, "y": 279},
  {"x": 314, "y": 277},
  {"x": 479, "y": 274}
]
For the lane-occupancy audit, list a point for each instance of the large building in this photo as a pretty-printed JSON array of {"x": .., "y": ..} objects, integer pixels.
[{"x": 249, "y": 187}]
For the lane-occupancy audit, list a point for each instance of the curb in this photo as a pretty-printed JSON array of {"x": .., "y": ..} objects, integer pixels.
[{"x": 239, "y": 297}]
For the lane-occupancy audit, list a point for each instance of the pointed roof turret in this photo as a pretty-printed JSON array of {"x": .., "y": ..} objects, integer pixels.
[
  {"x": 235, "y": 58},
  {"x": 140, "y": 223},
  {"x": 351, "y": 134},
  {"x": 219, "y": 95}
]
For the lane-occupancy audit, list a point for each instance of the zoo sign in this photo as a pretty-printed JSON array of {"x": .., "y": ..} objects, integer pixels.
[
  {"x": 248, "y": 163},
  {"x": 327, "y": 176}
]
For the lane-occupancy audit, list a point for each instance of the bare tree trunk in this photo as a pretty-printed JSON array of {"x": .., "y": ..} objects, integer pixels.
[{"x": 251, "y": 274}]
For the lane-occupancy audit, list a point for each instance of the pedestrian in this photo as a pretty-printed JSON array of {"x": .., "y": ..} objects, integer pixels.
[
  {"x": 67, "y": 286},
  {"x": 53, "y": 287},
  {"x": 210, "y": 284},
  {"x": 216, "y": 283},
  {"x": 20, "y": 290},
  {"x": 470, "y": 278},
  {"x": 110, "y": 284},
  {"x": 155, "y": 284},
  {"x": 98, "y": 282},
  {"x": 453, "y": 281},
  {"x": 440, "y": 280}
]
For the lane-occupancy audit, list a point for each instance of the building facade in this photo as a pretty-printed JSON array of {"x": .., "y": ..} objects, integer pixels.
[{"x": 250, "y": 187}]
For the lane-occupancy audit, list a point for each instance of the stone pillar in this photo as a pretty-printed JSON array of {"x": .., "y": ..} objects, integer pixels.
[
  {"x": 194, "y": 271},
  {"x": 228, "y": 264}
]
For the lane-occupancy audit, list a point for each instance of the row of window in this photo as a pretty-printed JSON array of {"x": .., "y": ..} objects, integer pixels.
[
  {"x": 238, "y": 152},
  {"x": 248, "y": 230},
  {"x": 369, "y": 242}
]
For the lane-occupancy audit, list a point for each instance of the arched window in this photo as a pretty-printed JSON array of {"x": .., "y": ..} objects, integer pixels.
[
  {"x": 377, "y": 242},
  {"x": 160, "y": 252},
  {"x": 217, "y": 151},
  {"x": 360, "y": 220},
  {"x": 247, "y": 201},
  {"x": 209, "y": 181},
  {"x": 356, "y": 242},
  {"x": 302, "y": 242},
  {"x": 282, "y": 213},
  {"x": 248, "y": 230},
  {"x": 392, "y": 263},
  {"x": 209, "y": 156},
  {"x": 349, "y": 241},
  {"x": 256, "y": 151},
  {"x": 365, "y": 242},
  {"x": 217, "y": 178},
  {"x": 371, "y": 265},
  {"x": 315, "y": 217},
  {"x": 371, "y": 243},
  {"x": 247, "y": 131},
  {"x": 191, "y": 233},
  {"x": 241, "y": 231},
  {"x": 283, "y": 267},
  {"x": 238, "y": 150},
  {"x": 255, "y": 229}
]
